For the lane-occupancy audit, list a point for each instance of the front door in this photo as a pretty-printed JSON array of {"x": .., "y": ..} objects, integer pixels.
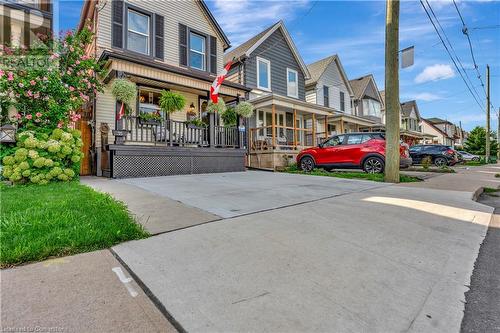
[{"x": 300, "y": 124}]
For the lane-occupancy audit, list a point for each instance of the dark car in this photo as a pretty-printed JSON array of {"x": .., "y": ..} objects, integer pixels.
[
  {"x": 440, "y": 155},
  {"x": 353, "y": 150}
]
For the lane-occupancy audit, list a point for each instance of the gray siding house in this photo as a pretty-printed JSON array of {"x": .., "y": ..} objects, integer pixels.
[
  {"x": 284, "y": 123},
  {"x": 330, "y": 87}
]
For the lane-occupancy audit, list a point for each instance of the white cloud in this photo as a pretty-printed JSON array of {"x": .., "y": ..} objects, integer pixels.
[
  {"x": 434, "y": 73},
  {"x": 243, "y": 19},
  {"x": 428, "y": 97}
]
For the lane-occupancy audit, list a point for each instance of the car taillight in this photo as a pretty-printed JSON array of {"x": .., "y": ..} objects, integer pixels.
[{"x": 450, "y": 152}]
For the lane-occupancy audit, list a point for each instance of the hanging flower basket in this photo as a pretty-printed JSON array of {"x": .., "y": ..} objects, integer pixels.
[
  {"x": 244, "y": 109},
  {"x": 220, "y": 107}
]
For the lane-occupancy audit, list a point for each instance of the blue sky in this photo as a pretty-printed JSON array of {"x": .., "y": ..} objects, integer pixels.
[{"x": 355, "y": 31}]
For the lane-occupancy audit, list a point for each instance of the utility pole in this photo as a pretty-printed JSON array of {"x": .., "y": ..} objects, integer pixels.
[
  {"x": 392, "y": 92},
  {"x": 498, "y": 136},
  {"x": 487, "y": 113}
]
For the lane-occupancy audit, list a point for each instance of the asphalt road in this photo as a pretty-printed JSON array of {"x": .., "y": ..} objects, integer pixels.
[{"x": 482, "y": 309}]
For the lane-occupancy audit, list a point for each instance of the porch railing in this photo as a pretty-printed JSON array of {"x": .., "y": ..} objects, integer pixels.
[
  {"x": 261, "y": 138},
  {"x": 177, "y": 133}
]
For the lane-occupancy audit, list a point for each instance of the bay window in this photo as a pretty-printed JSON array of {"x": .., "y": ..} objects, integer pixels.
[{"x": 371, "y": 107}]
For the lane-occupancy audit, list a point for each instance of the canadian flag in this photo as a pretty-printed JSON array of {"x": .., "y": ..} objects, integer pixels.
[
  {"x": 214, "y": 89},
  {"x": 121, "y": 113}
]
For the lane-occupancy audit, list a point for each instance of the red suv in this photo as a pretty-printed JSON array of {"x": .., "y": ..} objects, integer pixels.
[{"x": 351, "y": 151}]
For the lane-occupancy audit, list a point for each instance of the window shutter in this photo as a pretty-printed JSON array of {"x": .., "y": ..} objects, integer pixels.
[
  {"x": 117, "y": 23},
  {"x": 183, "y": 41},
  {"x": 213, "y": 55},
  {"x": 159, "y": 30}
]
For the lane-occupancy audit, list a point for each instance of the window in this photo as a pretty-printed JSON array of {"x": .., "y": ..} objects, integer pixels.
[
  {"x": 355, "y": 139},
  {"x": 263, "y": 74},
  {"x": 138, "y": 35},
  {"x": 342, "y": 101},
  {"x": 371, "y": 107},
  {"x": 326, "y": 96},
  {"x": 335, "y": 141},
  {"x": 292, "y": 83},
  {"x": 197, "y": 53}
]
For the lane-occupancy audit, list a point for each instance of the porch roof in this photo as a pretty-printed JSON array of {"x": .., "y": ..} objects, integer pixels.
[
  {"x": 291, "y": 103},
  {"x": 148, "y": 68},
  {"x": 352, "y": 119},
  {"x": 413, "y": 134}
]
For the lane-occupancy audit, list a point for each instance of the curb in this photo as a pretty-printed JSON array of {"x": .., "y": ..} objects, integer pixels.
[{"x": 477, "y": 193}]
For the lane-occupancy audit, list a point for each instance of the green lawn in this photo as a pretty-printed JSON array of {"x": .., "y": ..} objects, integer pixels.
[
  {"x": 378, "y": 177},
  {"x": 41, "y": 221}
]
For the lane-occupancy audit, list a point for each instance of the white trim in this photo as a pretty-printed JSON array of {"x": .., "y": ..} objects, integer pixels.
[
  {"x": 148, "y": 35},
  {"x": 268, "y": 73},
  {"x": 289, "y": 70},
  {"x": 203, "y": 54},
  {"x": 290, "y": 43}
]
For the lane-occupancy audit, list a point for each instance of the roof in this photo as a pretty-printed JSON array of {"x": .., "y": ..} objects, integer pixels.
[
  {"x": 407, "y": 107},
  {"x": 89, "y": 6},
  {"x": 316, "y": 69},
  {"x": 360, "y": 84},
  {"x": 435, "y": 120},
  {"x": 435, "y": 127},
  {"x": 248, "y": 47},
  {"x": 382, "y": 96}
]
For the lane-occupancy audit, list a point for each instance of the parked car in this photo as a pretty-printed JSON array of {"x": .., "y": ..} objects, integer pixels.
[
  {"x": 468, "y": 156},
  {"x": 440, "y": 155},
  {"x": 351, "y": 151}
]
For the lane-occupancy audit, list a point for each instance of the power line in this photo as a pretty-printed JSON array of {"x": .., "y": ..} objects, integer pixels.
[
  {"x": 449, "y": 53},
  {"x": 466, "y": 33}
]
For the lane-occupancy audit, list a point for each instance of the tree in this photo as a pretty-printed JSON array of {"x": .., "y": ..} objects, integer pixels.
[{"x": 476, "y": 142}]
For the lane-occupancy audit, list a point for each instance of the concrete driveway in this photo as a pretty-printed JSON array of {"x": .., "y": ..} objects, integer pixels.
[
  {"x": 338, "y": 256},
  {"x": 239, "y": 193}
]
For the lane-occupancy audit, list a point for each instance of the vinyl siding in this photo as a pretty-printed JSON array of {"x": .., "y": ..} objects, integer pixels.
[
  {"x": 311, "y": 96},
  {"x": 333, "y": 80},
  {"x": 188, "y": 13},
  {"x": 105, "y": 113},
  {"x": 276, "y": 50}
]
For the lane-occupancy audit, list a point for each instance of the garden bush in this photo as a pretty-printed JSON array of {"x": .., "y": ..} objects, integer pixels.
[{"x": 39, "y": 158}]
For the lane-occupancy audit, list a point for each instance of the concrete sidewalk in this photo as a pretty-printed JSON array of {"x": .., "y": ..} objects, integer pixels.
[
  {"x": 466, "y": 179},
  {"x": 387, "y": 259},
  {"x": 156, "y": 213},
  {"x": 81, "y": 293}
]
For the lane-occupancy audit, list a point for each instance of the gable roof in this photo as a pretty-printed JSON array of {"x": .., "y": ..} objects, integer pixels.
[
  {"x": 316, "y": 69},
  {"x": 428, "y": 122},
  {"x": 407, "y": 107},
  {"x": 89, "y": 7},
  {"x": 360, "y": 84},
  {"x": 436, "y": 120},
  {"x": 246, "y": 49},
  {"x": 382, "y": 96}
]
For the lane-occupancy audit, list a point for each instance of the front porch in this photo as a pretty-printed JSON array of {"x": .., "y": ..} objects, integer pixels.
[{"x": 148, "y": 142}]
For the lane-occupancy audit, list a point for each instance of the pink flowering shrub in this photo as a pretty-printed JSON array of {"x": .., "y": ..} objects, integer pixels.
[
  {"x": 46, "y": 96},
  {"x": 47, "y": 99}
]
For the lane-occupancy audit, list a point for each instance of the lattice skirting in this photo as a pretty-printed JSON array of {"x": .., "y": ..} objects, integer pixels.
[{"x": 150, "y": 162}]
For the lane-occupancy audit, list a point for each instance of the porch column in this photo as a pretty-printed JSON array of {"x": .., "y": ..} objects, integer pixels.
[
  {"x": 326, "y": 127},
  {"x": 341, "y": 126},
  {"x": 273, "y": 125},
  {"x": 313, "y": 129},
  {"x": 295, "y": 128},
  {"x": 211, "y": 129}
]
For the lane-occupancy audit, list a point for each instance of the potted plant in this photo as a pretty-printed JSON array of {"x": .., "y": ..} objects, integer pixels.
[
  {"x": 244, "y": 109},
  {"x": 219, "y": 107},
  {"x": 171, "y": 102},
  {"x": 196, "y": 123},
  {"x": 229, "y": 117},
  {"x": 150, "y": 118},
  {"x": 124, "y": 92}
]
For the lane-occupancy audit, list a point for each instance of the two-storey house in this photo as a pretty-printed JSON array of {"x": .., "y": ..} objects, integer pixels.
[
  {"x": 447, "y": 128},
  {"x": 439, "y": 135},
  {"x": 367, "y": 102},
  {"x": 330, "y": 87},
  {"x": 270, "y": 65},
  {"x": 411, "y": 128},
  {"x": 161, "y": 45}
]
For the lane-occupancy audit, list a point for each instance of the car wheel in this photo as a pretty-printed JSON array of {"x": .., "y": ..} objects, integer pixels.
[
  {"x": 475, "y": 159},
  {"x": 307, "y": 164},
  {"x": 440, "y": 161},
  {"x": 373, "y": 165}
]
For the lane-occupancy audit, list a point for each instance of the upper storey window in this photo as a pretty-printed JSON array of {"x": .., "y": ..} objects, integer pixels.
[
  {"x": 138, "y": 34},
  {"x": 197, "y": 52},
  {"x": 263, "y": 74}
]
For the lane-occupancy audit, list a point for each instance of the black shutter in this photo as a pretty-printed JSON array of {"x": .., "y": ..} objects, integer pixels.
[
  {"x": 117, "y": 23},
  {"x": 159, "y": 28},
  {"x": 183, "y": 41},
  {"x": 213, "y": 55}
]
